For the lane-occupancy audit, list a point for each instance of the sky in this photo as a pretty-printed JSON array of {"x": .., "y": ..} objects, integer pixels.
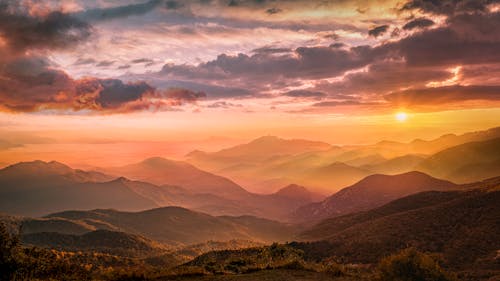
[{"x": 105, "y": 81}]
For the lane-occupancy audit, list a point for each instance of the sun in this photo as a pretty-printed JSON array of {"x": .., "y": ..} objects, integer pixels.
[{"x": 401, "y": 116}]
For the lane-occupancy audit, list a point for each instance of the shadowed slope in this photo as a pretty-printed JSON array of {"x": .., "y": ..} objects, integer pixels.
[
  {"x": 371, "y": 192},
  {"x": 463, "y": 225}
]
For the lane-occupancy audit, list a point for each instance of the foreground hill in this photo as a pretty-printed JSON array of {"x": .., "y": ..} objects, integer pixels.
[
  {"x": 462, "y": 225},
  {"x": 170, "y": 225},
  {"x": 467, "y": 162},
  {"x": 370, "y": 192},
  {"x": 37, "y": 188},
  {"x": 103, "y": 241}
]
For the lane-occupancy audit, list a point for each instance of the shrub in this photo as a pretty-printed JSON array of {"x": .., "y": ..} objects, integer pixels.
[
  {"x": 412, "y": 265},
  {"x": 9, "y": 254}
]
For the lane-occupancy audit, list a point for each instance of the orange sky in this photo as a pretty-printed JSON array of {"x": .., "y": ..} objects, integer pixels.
[
  {"x": 118, "y": 139},
  {"x": 106, "y": 82}
]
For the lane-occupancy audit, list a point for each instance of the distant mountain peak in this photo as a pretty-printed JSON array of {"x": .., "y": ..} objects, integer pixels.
[
  {"x": 267, "y": 138},
  {"x": 293, "y": 190},
  {"x": 40, "y": 167}
]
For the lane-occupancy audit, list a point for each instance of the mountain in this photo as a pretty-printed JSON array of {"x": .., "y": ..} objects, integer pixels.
[
  {"x": 260, "y": 160},
  {"x": 161, "y": 171},
  {"x": 190, "y": 187},
  {"x": 397, "y": 165},
  {"x": 370, "y": 192},
  {"x": 467, "y": 162},
  {"x": 450, "y": 140},
  {"x": 39, "y": 170},
  {"x": 38, "y": 188},
  {"x": 461, "y": 225},
  {"x": 176, "y": 225},
  {"x": 294, "y": 191},
  {"x": 332, "y": 177},
  {"x": 261, "y": 149}
]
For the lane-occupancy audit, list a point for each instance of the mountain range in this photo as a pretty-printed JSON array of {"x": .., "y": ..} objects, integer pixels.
[{"x": 326, "y": 169}]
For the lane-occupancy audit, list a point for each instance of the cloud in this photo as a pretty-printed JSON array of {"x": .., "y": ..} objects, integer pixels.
[
  {"x": 183, "y": 95},
  {"x": 444, "y": 95},
  {"x": 341, "y": 103},
  {"x": 274, "y": 10},
  {"x": 22, "y": 30},
  {"x": 105, "y": 63},
  {"x": 303, "y": 62},
  {"x": 142, "y": 60},
  {"x": 271, "y": 50},
  {"x": 30, "y": 84},
  {"x": 102, "y": 14},
  {"x": 304, "y": 94},
  {"x": 224, "y": 104},
  {"x": 466, "y": 39},
  {"x": 418, "y": 23},
  {"x": 378, "y": 31},
  {"x": 448, "y": 7}
]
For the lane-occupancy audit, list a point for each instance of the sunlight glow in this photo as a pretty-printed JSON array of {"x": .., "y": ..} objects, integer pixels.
[{"x": 401, "y": 116}]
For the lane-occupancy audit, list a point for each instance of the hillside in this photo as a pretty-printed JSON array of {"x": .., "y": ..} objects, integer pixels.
[
  {"x": 103, "y": 241},
  {"x": 175, "y": 225},
  {"x": 462, "y": 225},
  {"x": 37, "y": 188},
  {"x": 467, "y": 162},
  {"x": 370, "y": 192}
]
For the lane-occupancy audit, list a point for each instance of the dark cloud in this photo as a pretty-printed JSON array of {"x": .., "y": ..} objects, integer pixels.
[
  {"x": 173, "y": 5},
  {"x": 22, "y": 31},
  {"x": 340, "y": 103},
  {"x": 384, "y": 77},
  {"x": 274, "y": 10},
  {"x": 142, "y": 60},
  {"x": 212, "y": 91},
  {"x": 418, "y": 23},
  {"x": 84, "y": 61},
  {"x": 224, "y": 104},
  {"x": 105, "y": 63},
  {"x": 110, "y": 93},
  {"x": 443, "y": 95},
  {"x": 31, "y": 84},
  {"x": 28, "y": 83},
  {"x": 378, "y": 31},
  {"x": 337, "y": 45},
  {"x": 271, "y": 50},
  {"x": 120, "y": 11},
  {"x": 184, "y": 95},
  {"x": 303, "y": 62},
  {"x": 448, "y": 7},
  {"x": 466, "y": 39},
  {"x": 332, "y": 35},
  {"x": 304, "y": 94}
]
